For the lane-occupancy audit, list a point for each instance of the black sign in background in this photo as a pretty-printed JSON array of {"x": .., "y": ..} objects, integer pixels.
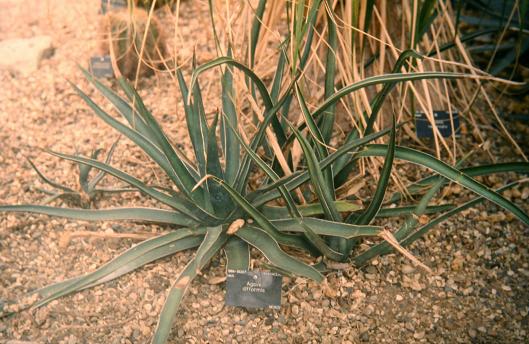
[
  {"x": 101, "y": 66},
  {"x": 107, "y": 5},
  {"x": 253, "y": 289},
  {"x": 442, "y": 121}
]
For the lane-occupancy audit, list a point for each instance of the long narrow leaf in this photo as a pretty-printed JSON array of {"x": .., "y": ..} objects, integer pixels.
[
  {"x": 262, "y": 221},
  {"x": 116, "y": 214},
  {"x": 473, "y": 171},
  {"x": 220, "y": 200},
  {"x": 237, "y": 254},
  {"x": 327, "y": 119},
  {"x": 313, "y": 238},
  {"x": 376, "y": 202},
  {"x": 179, "y": 204},
  {"x": 180, "y": 167},
  {"x": 325, "y": 195},
  {"x": 265, "y": 243},
  {"x": 230, "y": 145},
  {"x": 382, "y": 79},
  {"x": 312, "y": 209},
  {"x": 206, "y": 251},
  {"x": 49, "y": 181},
  {"x": 263, "y": 91},
  {"x": 183, "y": 182},
  {"x": 268, "y": 193},
  {"x": 117, "y": 263},
  {"x": 327, "y": 228},
  {"x": 421, "y": 231},
  {"x": 448, "y": 172}
]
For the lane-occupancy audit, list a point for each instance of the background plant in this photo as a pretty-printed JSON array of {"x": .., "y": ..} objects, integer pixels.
[
  {"x": 135, "y": 40},
  {"x": 366, "y": 39},
  {"x": 88, "y": 190}
]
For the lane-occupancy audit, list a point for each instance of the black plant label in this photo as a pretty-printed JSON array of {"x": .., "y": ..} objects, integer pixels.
[
  {"x": 253, "y": 289},
  {"x": 101, "y": 66},
  {"x": 443, "y": 122},
  {"x": 107, "y": 5}
]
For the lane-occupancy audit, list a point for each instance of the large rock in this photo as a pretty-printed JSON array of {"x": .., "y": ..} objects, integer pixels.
[{"x": 24, "y": 54}]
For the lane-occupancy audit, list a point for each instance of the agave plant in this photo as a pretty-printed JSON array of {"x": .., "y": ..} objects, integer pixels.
[
  {"x": 88, "y": 188},
  {"x": 213, "y": 207}
]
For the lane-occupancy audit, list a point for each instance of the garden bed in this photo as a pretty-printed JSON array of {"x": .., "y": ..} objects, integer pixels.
[{"x": 478, "y": 292}]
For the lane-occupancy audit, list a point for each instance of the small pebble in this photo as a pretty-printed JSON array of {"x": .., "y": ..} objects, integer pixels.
[{"x": 407, "y": 269}]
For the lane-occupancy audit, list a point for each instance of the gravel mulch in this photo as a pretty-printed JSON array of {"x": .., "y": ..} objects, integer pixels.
[{"x": 478, "y": 292}]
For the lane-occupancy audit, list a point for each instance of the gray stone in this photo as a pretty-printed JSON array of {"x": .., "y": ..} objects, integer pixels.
[{"x": 23, "y": 55}]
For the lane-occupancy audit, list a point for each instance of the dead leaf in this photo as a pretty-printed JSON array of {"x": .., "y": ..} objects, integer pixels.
[
  {"x": 216, "y": 280},
  {"x": 235, "y": 226}
]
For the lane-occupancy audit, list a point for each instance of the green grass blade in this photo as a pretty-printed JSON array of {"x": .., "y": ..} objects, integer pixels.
[
  {"x": 291, "y": 206},
  {"x": 278, "y": 75},
  {"x": 213, "y": 235},
  {"x": 319, "y": 242},
  {"x": 427, "y": 14},
  {"x": 320, "y": 149},
  {"x": 410, "y": 223},
  {"x": 256, "y": 29},
  {"x": 265, "y": 243},
  {"x": 244, "y": 172},
  {"x": 308, "y": 28},
  {"x": 140, "y": 119},
  {"x": 84, "y": 171},
  {"x": 194, "y": 125},
  {"x": 186, "y": 172},
  {"x": 126, "y": 266},
  {"x": 380, "y": 98},
  {"x": 198, "y": 128},
  {"x": 214, "y": 27},
  {"x": 133, "y": 118},
  {"x": 473, "y": 171},
  {"x": 407, "y": 227},
  {"x": 324, "y": 190}
]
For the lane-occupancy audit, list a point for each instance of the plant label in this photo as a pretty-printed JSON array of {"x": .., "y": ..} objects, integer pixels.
[
  {"x": 442, "y": 121},
  {"x": 253, "y": 289},
  {"x": 107, "y": 5},
  {"x": 101, "y": 66}
]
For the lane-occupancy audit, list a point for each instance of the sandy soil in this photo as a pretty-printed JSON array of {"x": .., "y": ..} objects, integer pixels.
[{"x": 478, "y": 293}]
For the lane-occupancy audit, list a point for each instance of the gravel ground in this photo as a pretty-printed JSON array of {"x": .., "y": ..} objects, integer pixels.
[{"x": 478, "y": 292}]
